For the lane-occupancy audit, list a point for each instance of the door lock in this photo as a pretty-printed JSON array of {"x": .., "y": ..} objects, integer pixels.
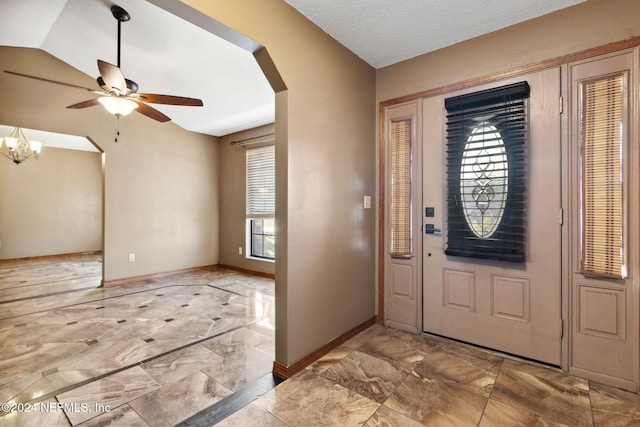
[{"x": 431, "y": 229}]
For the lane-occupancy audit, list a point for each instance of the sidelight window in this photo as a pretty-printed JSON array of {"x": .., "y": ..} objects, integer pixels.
[
  {"x": 401, "y": 170},
  {"x": 602, "y": 134}
]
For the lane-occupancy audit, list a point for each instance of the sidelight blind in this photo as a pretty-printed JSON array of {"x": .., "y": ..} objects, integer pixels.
[
  {"x": 401, "y": 188},
  {"x": 261, "y": 181},
  {"x": 602, "y": 177},
  {"x": 486, "y": 173}
]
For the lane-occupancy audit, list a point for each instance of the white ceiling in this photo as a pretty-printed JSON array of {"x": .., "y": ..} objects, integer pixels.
[
  {"x": 167, "y": 55},
  {"x": 385, "y": 32}
]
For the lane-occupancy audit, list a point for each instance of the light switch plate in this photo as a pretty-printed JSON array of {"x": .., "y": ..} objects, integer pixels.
[{"x": 367, "y": 202}]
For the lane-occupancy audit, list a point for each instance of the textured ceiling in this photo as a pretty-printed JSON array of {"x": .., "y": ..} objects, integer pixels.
[{"x": 385, "y": 32}]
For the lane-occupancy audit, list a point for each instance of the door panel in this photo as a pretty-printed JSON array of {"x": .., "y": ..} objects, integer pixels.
[
  {"x": 511, "y": 307},
  {"x": 402, "y": 270},
  {"x": 604, "y": 340}
]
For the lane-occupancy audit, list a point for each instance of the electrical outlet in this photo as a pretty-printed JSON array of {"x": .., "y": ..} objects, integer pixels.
[
  {"x": 132, "y": 257},
  {"x": 239, "y": 250}
]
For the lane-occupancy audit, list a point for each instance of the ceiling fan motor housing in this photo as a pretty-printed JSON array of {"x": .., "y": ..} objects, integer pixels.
[{"x": 132, "y": 87}]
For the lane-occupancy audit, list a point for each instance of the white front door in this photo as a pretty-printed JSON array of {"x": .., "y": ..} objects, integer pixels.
[{"x": 510, "y": 307}]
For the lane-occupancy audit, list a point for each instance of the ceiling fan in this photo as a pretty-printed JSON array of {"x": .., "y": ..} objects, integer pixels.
[{"x": 119, "y": 95}]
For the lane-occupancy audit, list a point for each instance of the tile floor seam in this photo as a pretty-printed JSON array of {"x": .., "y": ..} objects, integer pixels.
[
  {"x": 113, "y": 297},
  {"x": 380, "y": 405},
  {"x": 495, "y": 380},
  {"x": 250, "y": 389},
  {"x": 57, "y": 392},
  {"x": 133, "y": 409},
  {"x": 78, "y": 278},
  {"x": 410, "y": 372},
  {"x": 593, "y": 419}
]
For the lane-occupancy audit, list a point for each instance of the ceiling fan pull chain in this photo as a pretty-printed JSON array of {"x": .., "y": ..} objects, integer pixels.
[{"x": 117, "y": 128}]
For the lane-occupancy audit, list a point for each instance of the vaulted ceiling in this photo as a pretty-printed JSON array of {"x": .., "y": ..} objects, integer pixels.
[{"x": 162, "y": 53}]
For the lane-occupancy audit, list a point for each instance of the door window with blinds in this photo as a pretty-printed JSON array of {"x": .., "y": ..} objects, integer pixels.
[
  {"x": 602, "y": 136},
  {"x": 261, "y": 202},
  {"x": 401, "y": 170},
  {"x": 486, "y": 175}
]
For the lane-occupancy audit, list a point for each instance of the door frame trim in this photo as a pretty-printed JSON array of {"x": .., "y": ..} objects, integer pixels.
[{"x": 560, "y": 61}]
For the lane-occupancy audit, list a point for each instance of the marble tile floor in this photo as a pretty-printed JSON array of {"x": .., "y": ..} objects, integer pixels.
[
  {"x": 385, "y": 377},
  {"x": 149, "y": 353},
  {"x": 177, "y": 350}
]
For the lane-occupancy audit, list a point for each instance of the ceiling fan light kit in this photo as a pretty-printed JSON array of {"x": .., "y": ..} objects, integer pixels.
[{"x": 118, "y": 106}]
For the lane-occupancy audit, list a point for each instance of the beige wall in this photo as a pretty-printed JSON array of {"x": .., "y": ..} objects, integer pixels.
[
  {"x": 325, "y": 151},
  {"x": 590, "y": 24},
  {"x": 160, "y": 181},
  {"x": 233, "y": 202},
  {"x": 52, "y": 205}
]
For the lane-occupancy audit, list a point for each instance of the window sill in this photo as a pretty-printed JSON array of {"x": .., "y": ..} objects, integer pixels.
[{"x": 261, "y": 259}]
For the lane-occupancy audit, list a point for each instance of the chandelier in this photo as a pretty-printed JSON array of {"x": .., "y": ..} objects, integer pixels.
[{"x": 18, "y": 148}]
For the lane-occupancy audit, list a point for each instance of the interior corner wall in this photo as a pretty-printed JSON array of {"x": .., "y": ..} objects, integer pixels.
[
  {"x": 325, "y": 281},
  {"x": 232, "y": 179},
  {"x": 160, "y": 181},
  {"x": 52, "y": 205}
]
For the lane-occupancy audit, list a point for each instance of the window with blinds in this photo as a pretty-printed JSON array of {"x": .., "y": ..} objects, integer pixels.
[
  {"x": 602, "y": 138},
  {"x": 486, "y": 173},
  {"x": 261, "y": 181},
  {"x": 261, "y": 202},
  {"x": 401, "y": 245}
]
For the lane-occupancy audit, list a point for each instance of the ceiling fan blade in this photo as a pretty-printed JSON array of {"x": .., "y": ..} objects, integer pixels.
[
  {"x": 85, "y": 104},
  {"x": 170, "y": 100},
  {"x": 151, "y": 112},
  {"x": 112, "y": 77},
  {"x": 49, "y": 81}
]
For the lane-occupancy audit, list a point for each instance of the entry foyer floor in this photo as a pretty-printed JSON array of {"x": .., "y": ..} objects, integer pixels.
[{"x": 165, "y": 351}]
